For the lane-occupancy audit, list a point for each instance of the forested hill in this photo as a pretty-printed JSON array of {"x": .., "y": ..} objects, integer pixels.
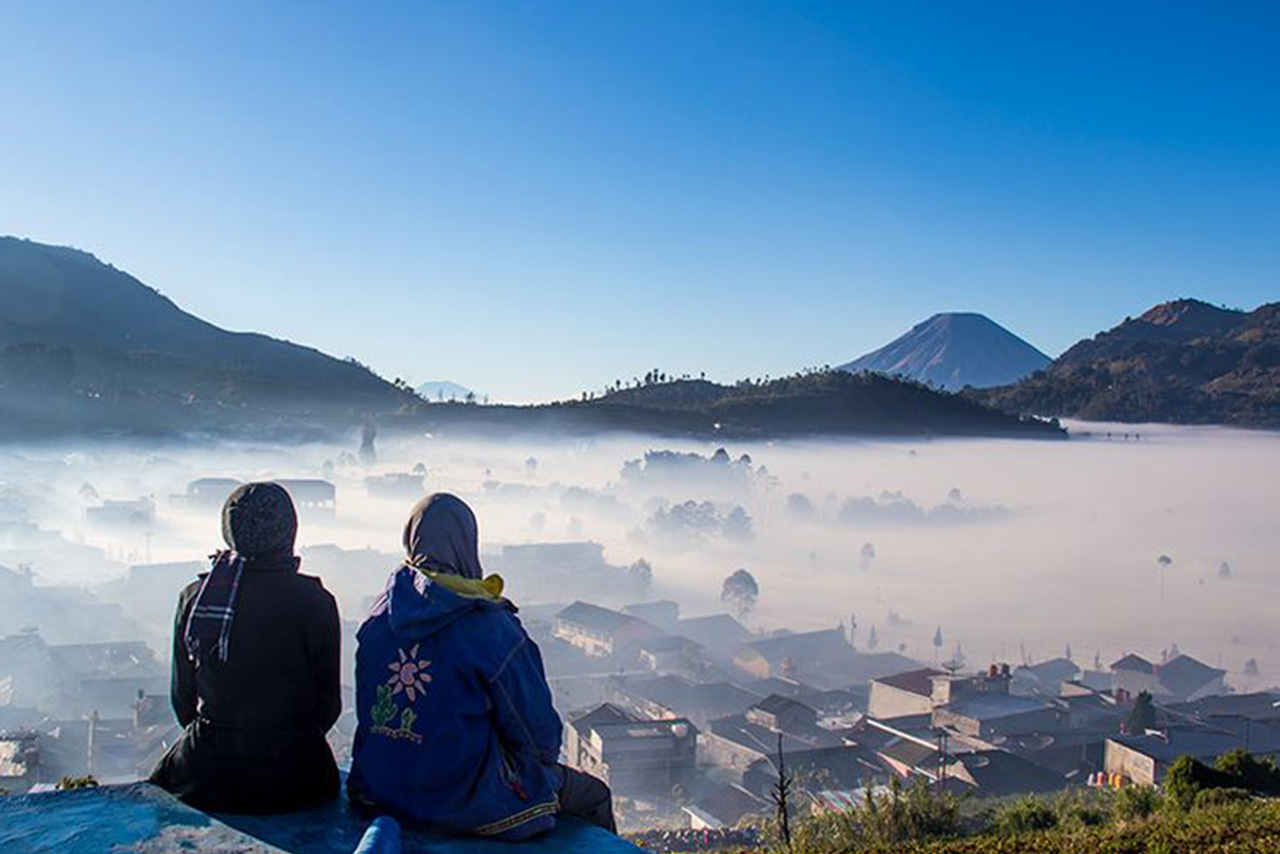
[
  {"x": 1181, "y": 362},
  {"x": 84, "y": 345},
  {"x": 823, "y": 403}
]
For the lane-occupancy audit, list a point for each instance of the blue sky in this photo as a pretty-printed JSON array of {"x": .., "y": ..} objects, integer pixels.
[{"x": 535, "y": 198}]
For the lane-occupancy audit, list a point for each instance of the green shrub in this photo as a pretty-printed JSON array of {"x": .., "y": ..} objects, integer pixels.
[
  {"x": 1257, "y": 774},
  {"x": 1217, "y": 797},
  {"x": 1135, "y": 803},
  {"x": 1187, "y": 777},
  {"x": 1026, "y": 815}
]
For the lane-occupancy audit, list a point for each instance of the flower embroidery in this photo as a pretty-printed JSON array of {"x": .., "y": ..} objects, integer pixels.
[{"x": 409, "y": 674}]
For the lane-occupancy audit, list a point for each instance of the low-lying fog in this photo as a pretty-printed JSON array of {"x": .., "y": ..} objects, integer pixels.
[{"x": 1013, "y": 548}]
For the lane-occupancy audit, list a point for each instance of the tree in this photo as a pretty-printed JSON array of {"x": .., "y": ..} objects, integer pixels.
[
  {"x": 780, "y": 794},
  {"x": 1142, "y": 716},
  {"x": 1224, "y": 571},
  {"x": 740, "y": 592},
  {"x": 641, "y": 573},
  {"x": 1251, "y": 667},
  {"x": 1164, "y": 562},
  {"x": 873, "y": 639},
  {"x": 937, "y": 641}
]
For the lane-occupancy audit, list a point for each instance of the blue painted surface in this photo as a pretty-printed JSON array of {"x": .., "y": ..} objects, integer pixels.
[
  {"x": 144, "y": 819},
  {"x": 382, "y": 837}
]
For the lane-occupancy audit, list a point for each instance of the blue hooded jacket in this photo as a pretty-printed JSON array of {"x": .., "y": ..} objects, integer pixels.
[{"x": 455, "y": 723}]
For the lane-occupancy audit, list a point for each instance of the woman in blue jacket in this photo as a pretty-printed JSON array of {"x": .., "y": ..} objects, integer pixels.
[{"x": 456, "y": 727}]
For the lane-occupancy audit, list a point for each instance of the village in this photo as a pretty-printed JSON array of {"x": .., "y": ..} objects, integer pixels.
[{"x": 687, "y": 717}]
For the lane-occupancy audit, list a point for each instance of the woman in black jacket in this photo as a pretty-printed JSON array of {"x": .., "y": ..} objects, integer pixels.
[{"x": 255, "y": 670}]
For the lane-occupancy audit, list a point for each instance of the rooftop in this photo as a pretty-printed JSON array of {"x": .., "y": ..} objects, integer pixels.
[
  {"x": 918, "y": 682},
  {"x": 141, "y": 817},
  {"x": 992, "y": 706},
  {"x": 595, "y": 617},
  {"x": 1185, "y": 675},
  {"x": 1135, "y": 663}
]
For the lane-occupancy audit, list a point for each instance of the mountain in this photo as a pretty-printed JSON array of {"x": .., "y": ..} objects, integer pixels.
[
  {"x": 1183, "y": 362},
  {"x": 955, "y": 350},
  {"x": 86, "y": 345},
  {"x": 442, "y": 390}
]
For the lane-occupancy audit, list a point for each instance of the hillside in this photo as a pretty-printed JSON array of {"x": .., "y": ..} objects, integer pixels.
[
  {"x": 83, "y": 344},
  {"x": 829, "y": 403},
  {"x": 955, "y": 350},
  {"x": 1181, "y": 362}
]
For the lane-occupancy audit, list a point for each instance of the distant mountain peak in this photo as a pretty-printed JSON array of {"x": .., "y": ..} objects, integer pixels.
[{"x": 953, "y": 350}]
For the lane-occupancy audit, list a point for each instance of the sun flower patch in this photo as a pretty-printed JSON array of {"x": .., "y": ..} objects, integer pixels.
[{"x": 409, "y": 674}]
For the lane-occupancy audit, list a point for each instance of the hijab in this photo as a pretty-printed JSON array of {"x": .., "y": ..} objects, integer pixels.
[{"x": 442, "y": 536}]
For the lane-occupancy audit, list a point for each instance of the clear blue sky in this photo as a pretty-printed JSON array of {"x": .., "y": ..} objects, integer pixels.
[{"x": 535, "y": 198}]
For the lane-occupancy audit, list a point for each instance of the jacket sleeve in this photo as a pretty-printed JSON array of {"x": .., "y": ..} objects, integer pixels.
[
  {"x": 327, "y": 658},
  {"x": 525, "y": 717},
  {"x": 182, "y": 683}
]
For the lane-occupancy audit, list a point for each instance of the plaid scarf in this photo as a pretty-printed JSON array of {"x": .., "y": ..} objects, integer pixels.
[{"x": 209, "y": 624}]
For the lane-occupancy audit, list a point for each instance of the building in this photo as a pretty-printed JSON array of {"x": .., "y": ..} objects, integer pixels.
[
  {"x": 670, "y": 654},
  {"x": 19, "y": 760},
  {"x": 632, "y": 754},
  {"x": 999, "y": 774},
  {"x": 1178, "y": 680},
  {"x": 819, "y": 771},
  {"x": 719, "y": 634},
  {"x": 821, "y": 658},
  {"x": 665, "y": 614},
  {"x": 783, "y": 714},
  {"x": 601, "y": 632},
  {"x": 902, "y": 694},
  {"x": 1044, "y": 678},
  {"x": 670, "y": 696},
  {"x": 733, "y": 743},
  {"x": 724, "y": 807},
  {"x": 1145, "y": 758},
  {"x": 990, "y": 716},
  {"x": 312, "y": 496}
]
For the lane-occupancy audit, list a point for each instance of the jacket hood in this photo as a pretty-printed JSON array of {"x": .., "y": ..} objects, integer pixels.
[{"x": 420, "y": 602}]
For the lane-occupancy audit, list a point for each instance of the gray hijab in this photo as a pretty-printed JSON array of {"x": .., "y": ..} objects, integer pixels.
[{"x": 442, "y": 536}]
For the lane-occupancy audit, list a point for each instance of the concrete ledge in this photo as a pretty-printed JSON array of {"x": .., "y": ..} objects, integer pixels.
[{"x": 142, "y": 819}]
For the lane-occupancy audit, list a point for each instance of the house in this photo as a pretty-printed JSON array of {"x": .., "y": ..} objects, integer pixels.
[
  {"x": 902, "y": 694},
  {"x": 724, "y": 807},
  {"x": 719, "y": 634},
  {"x": 669, "y": 654},
  {"x": 632, "y": 754},
  {"x": 821, "y": 658},
  {"x": 990, "y": 715},
  {"x": 1183, "y": 678},
  {"x": 733, "y": 743},
  {"x": 601, "y": 632},
  {"x": 817, "y": 772},
  {"x": 1257, "y": 706},
  {"x": 1144, "y": 759},
  {"x": 1180, "y": 679},
  {"x": 783, "y": 714},
  {"x": 671, "y": 696},
  {"x": 312, "y": 496},
  {"x": 999, "y": 774},
  {"x": 1045, "y": 677},
  {"x": 665, "y": 614}
]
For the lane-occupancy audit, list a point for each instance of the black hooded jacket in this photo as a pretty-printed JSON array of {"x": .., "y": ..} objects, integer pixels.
[{"x": 255, "y": 725}]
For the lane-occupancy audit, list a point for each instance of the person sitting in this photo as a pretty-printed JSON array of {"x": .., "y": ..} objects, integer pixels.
[
  {"x": 455, "y": 725},
  {"x": 255, "y": 670}
]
